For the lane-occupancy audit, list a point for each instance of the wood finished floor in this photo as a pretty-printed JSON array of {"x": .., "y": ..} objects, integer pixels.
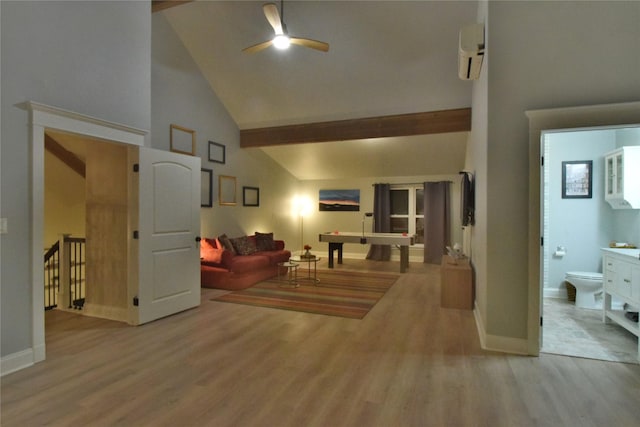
[{"x": 407, "y": 363}]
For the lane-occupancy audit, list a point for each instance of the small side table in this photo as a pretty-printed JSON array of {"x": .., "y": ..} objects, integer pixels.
[
  {"x": 299, "y": 259},
  {"x": 456, "y": 287},
  {"x": 291, "y": 275}
]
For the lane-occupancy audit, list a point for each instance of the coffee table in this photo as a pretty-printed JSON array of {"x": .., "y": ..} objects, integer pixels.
[
  {"x": 299, "y": 259},
  {"x": 291, "y": 275}
]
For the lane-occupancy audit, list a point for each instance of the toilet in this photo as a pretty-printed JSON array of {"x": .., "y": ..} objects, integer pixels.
[{"x": 588, "y": 288}]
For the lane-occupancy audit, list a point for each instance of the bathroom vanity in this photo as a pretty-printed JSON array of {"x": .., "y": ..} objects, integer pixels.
[{"x": 621, "y": 280}]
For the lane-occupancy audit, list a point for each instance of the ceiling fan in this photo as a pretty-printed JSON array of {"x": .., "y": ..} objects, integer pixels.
[{"x": 282, "y": 40}]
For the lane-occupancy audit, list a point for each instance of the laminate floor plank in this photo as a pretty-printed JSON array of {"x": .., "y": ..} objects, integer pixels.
[{"x": 409, "y": 362}]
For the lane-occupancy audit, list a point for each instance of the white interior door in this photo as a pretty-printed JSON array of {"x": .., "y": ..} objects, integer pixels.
[{"x": 168, "y": 234}]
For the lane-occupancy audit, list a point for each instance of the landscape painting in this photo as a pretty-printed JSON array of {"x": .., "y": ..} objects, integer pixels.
[{"x": 339, "y": 200}]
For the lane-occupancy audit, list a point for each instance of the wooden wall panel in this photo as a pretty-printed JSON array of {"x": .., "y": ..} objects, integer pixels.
[{"x": 107, "y": 219}]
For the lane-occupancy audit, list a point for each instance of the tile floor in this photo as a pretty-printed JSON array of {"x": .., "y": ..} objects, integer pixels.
[{"x": 573, "y": 331}]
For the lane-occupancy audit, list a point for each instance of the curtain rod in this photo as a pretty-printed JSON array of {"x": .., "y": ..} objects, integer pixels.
[{"x": 409, "y": 183}]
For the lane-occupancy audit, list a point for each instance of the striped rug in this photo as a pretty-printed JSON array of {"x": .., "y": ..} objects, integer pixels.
[{"x": 339, "y": 293}]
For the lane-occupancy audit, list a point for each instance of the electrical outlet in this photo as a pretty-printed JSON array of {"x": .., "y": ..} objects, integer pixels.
[{"x": 3, "y": 226}]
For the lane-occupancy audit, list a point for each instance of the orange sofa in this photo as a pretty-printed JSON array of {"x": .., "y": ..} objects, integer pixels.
[{"x": 241, "y": 262}]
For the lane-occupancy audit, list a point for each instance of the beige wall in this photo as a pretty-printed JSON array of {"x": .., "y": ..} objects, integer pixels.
[{"x": 64, "y": 201}]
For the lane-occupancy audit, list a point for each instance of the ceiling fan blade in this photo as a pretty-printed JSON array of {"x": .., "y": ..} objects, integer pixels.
[
  {"x": 257, "y": 47},
  {"x": 273, "y": 16},
  {"x": 313, "y": 44}
]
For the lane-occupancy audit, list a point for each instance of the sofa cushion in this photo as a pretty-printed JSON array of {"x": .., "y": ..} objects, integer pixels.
[
  {"x": 265, "y": 242},
  {"x": 226, "y": 243},
  {"x": 275, "y": 256},
  {"x": 243, "y": 245},
  {"x": 243, "y": 264},
  {"x": 210, "y": 251}
]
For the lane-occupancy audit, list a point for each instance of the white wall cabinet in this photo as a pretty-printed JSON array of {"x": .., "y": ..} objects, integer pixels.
[
  {"x": 621, "y": 177},
  {"x": 621, "y": 279}
]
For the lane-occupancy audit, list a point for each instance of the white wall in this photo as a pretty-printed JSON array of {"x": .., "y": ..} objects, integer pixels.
[
  {"x": 88, "y": 57},
  {"x": 181, "y": 95},
  {"x": 539, "y": 55},
  {"x": 476, "y": 163}
]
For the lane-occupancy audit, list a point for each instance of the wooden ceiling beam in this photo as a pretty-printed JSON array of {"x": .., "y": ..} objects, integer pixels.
[
  {"x": 158, "y": 5},
  {"x": 444, "y": 121},
  {"x": 66, "y": 156}
]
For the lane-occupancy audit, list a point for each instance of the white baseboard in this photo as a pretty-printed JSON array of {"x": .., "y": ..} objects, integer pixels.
[
  {"x": 16, "y": 361},
  {"x": 497, "y": 342},
  {"x": 554, "y": 293}
]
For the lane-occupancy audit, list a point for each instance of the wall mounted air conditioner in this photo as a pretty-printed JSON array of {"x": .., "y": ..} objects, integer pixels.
[{"x": 470, "y": 51}]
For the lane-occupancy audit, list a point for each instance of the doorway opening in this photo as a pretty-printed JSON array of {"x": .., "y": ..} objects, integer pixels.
[
  {"x": 43, "y": 118},
  {"x": 574, "y": 231},
  {"x": 546, "y": 120}
]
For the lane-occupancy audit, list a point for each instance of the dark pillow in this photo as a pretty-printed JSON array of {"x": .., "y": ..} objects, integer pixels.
[
  {"x": 226, "y": 243},
  {"x": 265, "y": 242},
  {"x": 243, "y": 245}
]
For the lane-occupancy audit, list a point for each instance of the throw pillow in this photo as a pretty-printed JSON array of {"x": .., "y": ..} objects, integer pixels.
[
  {"x": 209, "y": 252},
  {"x": 265, "y": 242},
  {"x": 226, "y": 243},
  {"x": 243, "y": 245}
]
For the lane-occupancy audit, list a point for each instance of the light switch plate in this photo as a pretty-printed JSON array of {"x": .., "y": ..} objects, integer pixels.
[{"x": 3, "y": 226}]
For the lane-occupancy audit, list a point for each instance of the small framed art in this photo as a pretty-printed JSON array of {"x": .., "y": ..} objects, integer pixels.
[
  {"x": 250, "y": 196},
  {"x": 206, "y": 190},
  {"x": 183, "y": 140},
  {"x": 217, "y": 152},
  {"x": 227, "y": 190},
  {"x": 577, "y": 179}
]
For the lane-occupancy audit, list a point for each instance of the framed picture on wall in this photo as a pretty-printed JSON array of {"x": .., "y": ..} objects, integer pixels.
[
  {"x": 217, "y": 152},
  {"x": 250, "y": 196},
  {"x": 206, "y": 190},
  {"x": 577, "y": 179},
  {"x": 339, "y": 200},
  {"x": 182, "y": 140},
  {"x": 227, "y": 190}
]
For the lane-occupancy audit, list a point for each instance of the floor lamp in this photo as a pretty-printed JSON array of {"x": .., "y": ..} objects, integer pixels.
[
  {"x": 303, "y": 209},
  {"x": 301, "y": 213},
  {"x": 373, "y": 227}
]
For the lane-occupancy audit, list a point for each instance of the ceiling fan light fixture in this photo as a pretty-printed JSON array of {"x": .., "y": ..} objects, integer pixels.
[{"x": 281, "y": 41}]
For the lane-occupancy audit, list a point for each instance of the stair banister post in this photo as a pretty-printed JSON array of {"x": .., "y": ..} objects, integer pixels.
[{"x": 64, "y": 291}]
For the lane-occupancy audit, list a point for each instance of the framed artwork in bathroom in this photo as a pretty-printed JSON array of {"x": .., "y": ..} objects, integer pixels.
[{"x": 577, "y": 179}]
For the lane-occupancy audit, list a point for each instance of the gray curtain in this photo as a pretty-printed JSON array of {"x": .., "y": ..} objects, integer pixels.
[
  {"x": 381, "y": 221},
  {"x": 437, "y": 211}
]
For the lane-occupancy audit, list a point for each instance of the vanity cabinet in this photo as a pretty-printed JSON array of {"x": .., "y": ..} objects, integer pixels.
[
  {"x": 621, "y": 280},
  {"x": 622, "y": 173}
]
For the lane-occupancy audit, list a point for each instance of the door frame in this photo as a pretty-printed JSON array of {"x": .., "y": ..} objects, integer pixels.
[
  {"x": 555, "y": 119},
  {"x": 41, "y": 118}
]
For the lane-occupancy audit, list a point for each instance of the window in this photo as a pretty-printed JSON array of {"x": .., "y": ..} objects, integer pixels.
[{"x": 407, "y": 211}]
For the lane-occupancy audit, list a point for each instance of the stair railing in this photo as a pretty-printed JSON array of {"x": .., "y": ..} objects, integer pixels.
[
  {"x": 52, "y": 276},
  {"x": 65, "y": 273}
]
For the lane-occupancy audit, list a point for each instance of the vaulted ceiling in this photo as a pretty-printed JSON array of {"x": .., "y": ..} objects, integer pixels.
[{"x": 385, "y": 58}]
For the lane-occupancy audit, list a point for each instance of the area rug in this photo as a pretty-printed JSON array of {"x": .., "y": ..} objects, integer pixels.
[{"x": 338, "y": 293}]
